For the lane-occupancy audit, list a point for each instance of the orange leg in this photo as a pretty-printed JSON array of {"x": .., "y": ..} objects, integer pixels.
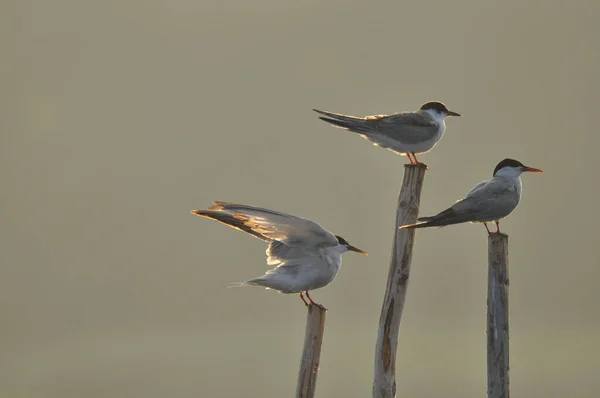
[
  {"x": 302, "y": 297},
  {"x": 497, "y": 227},
  {"x": 415, "y": 156},
  {"x": 486, "y": 227},
  {"x": 409, "y": 158}
]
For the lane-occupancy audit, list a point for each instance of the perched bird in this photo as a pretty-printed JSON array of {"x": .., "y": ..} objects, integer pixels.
[
  {"x": 488, "y": 201},
  {"x": 405, "y": 133},
  {"x": 306, "y": 256}
]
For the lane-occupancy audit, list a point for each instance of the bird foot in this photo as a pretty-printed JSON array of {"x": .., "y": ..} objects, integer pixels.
[
  {"x": 314, "y": 303},
  {"x": 414, "y": 161},
  {"x": 420, "y": 164}
]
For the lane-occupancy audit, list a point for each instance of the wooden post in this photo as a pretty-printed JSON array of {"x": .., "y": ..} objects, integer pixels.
[
  {"x": 497, "y": 316},
  {"x": 384, "y": 381},
  {"x": 311, "y": 353}
]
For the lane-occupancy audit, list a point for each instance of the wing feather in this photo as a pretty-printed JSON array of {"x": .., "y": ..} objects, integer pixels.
[
  {"x": 492, "y": 200},
  {"x": 394, "y": 132},
  {"x": 487, "y": 201},
  {"x": 271, "y": 225},
  {"x": 408, "y": 128}
]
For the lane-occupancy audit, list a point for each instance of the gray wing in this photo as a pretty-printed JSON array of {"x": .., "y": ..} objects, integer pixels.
[
  {"x": 491, "y": 200},
  {"x": 487, "y": 201},
  {"x": 476, "y": 187},
  {"x": 270, "y": 225},
  {"x": 231, "y": 221},
  {"x": 407, "y": 128}
]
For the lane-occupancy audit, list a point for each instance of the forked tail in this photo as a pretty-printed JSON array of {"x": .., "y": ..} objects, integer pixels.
[{"x": 355, "y": 124}]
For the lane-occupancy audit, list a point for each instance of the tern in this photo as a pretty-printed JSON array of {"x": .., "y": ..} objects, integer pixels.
[
  {"x": 488, "y": 201},
  {"x": 405, "y": 133},
  {"x": 306, "y": 256}
]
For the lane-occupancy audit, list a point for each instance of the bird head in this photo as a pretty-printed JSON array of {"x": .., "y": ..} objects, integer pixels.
[
  {"x": 438, "y": 110},
  {"x": 512, "y": 168},
  {"x": 348, "y": 246}
]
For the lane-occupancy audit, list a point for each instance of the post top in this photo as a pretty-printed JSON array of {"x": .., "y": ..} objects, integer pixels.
[{"x": 414, "y": 166}]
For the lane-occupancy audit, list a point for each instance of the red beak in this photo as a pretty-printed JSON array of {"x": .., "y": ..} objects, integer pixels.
[{"x": 532, "y": 169}]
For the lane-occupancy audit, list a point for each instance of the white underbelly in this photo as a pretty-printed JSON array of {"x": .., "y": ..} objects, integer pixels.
[{"x": 400, "y": 147}]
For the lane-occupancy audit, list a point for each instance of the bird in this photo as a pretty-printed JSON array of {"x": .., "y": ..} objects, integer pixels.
[
  {"x": 488, "y": 201},
  {"x": 305, "y": 255},
  {"x": 405, "y": 133}
]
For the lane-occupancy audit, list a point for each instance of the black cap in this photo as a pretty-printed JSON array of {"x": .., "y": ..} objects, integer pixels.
[
  {"x": 508, "y": 163},
  {"x": 436, "y": 106},
  {"x": 341, "y": 240}
]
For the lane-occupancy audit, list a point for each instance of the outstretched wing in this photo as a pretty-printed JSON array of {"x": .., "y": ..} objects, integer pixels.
[
  {"x": 270, "y": 225},
  {"x": 232, "y": 221}
]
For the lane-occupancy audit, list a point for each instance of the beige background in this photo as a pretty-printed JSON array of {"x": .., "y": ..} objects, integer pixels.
[{"x": 118, "y": 117}]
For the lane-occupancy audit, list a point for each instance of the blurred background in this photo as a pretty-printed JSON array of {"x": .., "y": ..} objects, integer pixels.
[{"x": 119, "y": 117}]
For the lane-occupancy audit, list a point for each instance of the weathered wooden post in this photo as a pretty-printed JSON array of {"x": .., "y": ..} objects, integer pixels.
[
  {"x": 497, "y": 316},
  {"x": 311, "y": 353},
  {"x": 384, "y": 381}
]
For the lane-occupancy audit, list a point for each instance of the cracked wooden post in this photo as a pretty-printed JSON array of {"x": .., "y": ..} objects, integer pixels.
[
  {"x": 384, "y": 381},
  {"x": 311, "y": 353},
  {"x": 497, "y": 316}
]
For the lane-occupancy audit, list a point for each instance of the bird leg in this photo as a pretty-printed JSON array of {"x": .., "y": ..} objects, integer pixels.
[
  {"x": 486, "y": 227},
  {"x": 313, "y": 302},
  {"x": 415, "y": 156},
  {"x": 302, "y": 297},
  {"x": 497, "y": 231},
  {"x": 409, "y": 158}
]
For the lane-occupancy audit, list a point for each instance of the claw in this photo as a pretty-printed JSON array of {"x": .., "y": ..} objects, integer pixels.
[{"x": 313, "y": 302}]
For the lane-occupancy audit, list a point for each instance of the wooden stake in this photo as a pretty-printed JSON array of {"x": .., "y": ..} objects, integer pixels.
[
  {"x": 311, "y": 353},
  {"x": 384, "y": 380},
  {"x": 497, "y": 316}
]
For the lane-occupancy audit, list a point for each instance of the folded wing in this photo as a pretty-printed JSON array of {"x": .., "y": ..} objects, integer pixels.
[
  {"x": 408, "y": 128},
  {"x": 493, "y": 200},
  {"x": 487, "y": 201}
]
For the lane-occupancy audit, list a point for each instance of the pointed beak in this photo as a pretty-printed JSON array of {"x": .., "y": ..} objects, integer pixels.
[
  {"x": 532, "y": 169},
  {"x": 356, "y": 249},
  {"x": 450, "y": 113}
]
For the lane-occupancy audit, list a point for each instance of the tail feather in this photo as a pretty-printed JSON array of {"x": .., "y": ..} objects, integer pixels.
[
  {"x": 235, "y": 284},
  {"x": 355, "y": 124},
  {"x": 340, "y": 117},
  {"x": 416, "y": 225},
  {"x": 338, "y": 123},
  {"x": 271, "y": 284},
  {"x": 351, "y": 126},
  {"x": 447, "y": 217}
]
